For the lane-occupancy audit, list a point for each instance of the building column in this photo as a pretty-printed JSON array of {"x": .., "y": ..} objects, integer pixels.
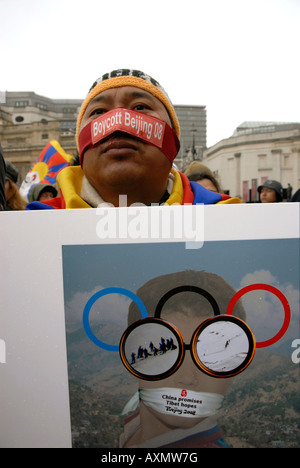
[
  {"x": 237, "y": 175},
  {"x": 276, "y": 164}
]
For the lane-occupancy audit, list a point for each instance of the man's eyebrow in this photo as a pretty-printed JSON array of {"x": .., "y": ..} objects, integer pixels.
[
  {"x": 129, "y": 94},
  {"x": 141, "y": 94},
  {"x": 99, "y": 98}
]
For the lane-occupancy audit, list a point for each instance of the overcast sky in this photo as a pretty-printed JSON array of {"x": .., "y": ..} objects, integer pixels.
[{"x": 239, "y": 58}]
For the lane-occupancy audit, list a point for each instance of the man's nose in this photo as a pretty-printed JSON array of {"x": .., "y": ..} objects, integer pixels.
[{"x": 188, "y": 375}]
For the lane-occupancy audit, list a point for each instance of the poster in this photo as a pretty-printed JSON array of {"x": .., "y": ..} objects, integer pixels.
[{"x": 69, "y": 290}]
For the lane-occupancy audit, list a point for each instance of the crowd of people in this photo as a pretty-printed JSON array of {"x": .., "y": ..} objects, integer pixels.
[
  {"x": 132, "y": 153},
  {"x": 271, "y": 191},
  {"x": 165, "y": 344},
  {"x": 10, "y": 196}
]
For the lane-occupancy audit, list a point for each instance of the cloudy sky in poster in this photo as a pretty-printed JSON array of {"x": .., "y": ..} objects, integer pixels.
[{"x": 88, "y": 269}]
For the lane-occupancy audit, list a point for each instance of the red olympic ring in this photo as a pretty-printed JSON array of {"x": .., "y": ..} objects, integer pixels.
[{"x": 281, "y": 297}]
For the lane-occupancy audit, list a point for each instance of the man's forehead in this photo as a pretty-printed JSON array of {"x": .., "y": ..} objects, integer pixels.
[
  {"x": 127, "y": 92},
  {"x": 184, "y": 313}
]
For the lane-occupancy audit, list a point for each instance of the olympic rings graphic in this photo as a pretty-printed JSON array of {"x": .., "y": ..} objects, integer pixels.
[
  {"x": 93, "y": 299},
  {"x": 144, "y": 313},
  {"x": 281, "y": 297}
]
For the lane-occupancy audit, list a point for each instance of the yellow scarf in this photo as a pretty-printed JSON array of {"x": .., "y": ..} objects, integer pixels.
[{"x": 70, "y": 182}]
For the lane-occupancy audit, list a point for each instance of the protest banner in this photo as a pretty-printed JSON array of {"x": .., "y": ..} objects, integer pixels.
[{"x": 70, "y": 289}]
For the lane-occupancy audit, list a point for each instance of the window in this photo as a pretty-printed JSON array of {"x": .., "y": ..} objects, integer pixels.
[
  {"x": 69, "y": 110},
  {"x": 41, "y": 106},
  {"x": 21, "y": 103},
  {"x": 67, "y": 125},
  {"x": 16, "y": 141}
]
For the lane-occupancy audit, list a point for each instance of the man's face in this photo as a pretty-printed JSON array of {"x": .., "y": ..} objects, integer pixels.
[
  {"x": 46, "y": 196},
  {"x": 188, "y": 376},
  {"x": 123, "y": 164},
  {"x": 267, "y": 195}
]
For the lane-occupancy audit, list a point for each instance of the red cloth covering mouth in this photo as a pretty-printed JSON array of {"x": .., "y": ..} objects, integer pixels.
[{"x": 136, "y": 124}]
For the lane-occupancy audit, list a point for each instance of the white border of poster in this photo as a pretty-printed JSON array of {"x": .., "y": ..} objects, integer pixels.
[{"x": 34, "y": 396}]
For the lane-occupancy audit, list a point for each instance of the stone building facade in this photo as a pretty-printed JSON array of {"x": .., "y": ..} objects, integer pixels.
[
  {"x": 257, "y": 151},
  {"x": 29, "y": 121}
]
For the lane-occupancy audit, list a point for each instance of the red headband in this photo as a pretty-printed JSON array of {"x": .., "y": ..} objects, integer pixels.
[{"x": 141, "y": 126}]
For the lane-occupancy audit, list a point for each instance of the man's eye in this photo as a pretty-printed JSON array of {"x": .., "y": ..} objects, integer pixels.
[
  {"x": 98, "y": 112},
  {"x": 141, "y": 107}
]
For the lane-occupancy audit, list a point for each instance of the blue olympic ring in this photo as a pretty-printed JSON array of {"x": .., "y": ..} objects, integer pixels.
[{"x": 90, "y": 303}]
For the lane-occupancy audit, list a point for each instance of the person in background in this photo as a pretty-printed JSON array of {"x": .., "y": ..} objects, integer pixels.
[
  {"x": 41, "y": 191},
  {"x": 201, "y": 174},
  {"x": 270, "y": 192},
  {"x": 296, "y": 197},
  {"x": 14, "y": 200}
]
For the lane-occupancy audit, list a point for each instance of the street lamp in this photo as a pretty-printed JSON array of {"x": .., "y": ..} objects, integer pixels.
[{"x": 194, "y": 152}]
